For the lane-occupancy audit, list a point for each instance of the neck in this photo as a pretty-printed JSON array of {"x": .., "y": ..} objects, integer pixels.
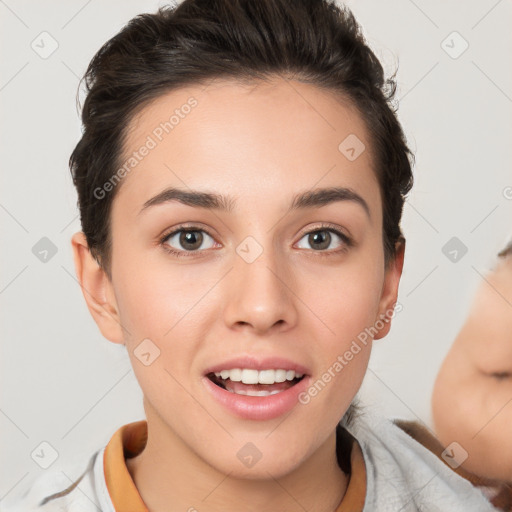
[{"x": 170, "y": 477}]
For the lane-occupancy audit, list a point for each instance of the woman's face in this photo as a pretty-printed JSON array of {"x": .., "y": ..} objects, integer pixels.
[{"x": 250, "y": 280}]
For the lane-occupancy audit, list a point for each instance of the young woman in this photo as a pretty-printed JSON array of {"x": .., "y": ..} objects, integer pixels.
[{"x": 241, "y": 178}]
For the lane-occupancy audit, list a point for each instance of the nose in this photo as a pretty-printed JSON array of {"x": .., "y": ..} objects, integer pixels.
[{"x": 260, "y": 294}]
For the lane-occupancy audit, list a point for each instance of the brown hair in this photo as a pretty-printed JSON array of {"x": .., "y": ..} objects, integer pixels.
[
  {"x": 506, "y": 251},
  {"x": 314, "y": 41}
]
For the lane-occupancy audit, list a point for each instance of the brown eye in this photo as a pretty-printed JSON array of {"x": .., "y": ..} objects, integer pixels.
[
  {"x": 191, "y": 240},
  {"x": 187, "y": 240},
  {"x": 322, "y": 239}
]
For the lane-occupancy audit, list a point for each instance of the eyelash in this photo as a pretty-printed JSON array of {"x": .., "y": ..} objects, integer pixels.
[
  {"x": 501, "y": 376},
  {"x": 347, "y": 241}
]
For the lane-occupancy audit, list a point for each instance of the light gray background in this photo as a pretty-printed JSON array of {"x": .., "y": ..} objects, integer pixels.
[{"x": 63, "y": 383}]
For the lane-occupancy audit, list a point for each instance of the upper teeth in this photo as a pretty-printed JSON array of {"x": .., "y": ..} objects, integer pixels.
[{"x": 249, "y": 376}]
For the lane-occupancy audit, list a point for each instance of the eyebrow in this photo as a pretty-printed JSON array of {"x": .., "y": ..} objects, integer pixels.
[{"x": 212, "y": 201}]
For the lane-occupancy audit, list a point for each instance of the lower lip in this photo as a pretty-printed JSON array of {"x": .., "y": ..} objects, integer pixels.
[{"x": 258, "y": 408}]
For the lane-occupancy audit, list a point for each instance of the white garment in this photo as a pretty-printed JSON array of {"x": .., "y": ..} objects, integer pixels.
[
  {"x": 402, "y": 476},
  {"x": 90, "y": 495}
]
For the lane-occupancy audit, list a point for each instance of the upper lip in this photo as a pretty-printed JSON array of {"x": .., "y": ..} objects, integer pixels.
[{"x": 254, "y": 363}]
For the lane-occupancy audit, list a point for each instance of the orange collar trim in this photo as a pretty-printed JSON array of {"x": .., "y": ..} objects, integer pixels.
[
  {"x": 355, "y": 495},
  {"x": 130, "y": 439}
]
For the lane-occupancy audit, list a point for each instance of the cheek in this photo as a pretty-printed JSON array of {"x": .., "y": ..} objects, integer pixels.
[
  {"x": 342, "y": 318},
  {"x": 343, "y": 342},
  {"x": 344, "y": 298},
  {"x": 155, "y": 298}
]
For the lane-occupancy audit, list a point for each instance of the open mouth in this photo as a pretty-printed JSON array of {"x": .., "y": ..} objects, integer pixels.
[{"x": 259, "y": 389}]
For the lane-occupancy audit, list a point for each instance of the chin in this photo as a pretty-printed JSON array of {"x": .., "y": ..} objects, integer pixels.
[{"x": 258, "y": 460}]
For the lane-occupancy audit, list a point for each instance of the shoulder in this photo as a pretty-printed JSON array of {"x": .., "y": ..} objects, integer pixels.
[
  {"x": 73, "y": 490},
  {"x": 497, "y": 491},
  {"x": 403, "y": 472}
]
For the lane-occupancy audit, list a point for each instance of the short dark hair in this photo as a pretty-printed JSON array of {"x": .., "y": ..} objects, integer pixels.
[
  {"x": 506, "y": 251},
  {"x": 313, "y": 41}
]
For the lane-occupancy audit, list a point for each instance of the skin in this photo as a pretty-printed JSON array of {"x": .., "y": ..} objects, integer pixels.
[
  {"x": 473, "y": 390},
  {"x": 261, "y": 144}
]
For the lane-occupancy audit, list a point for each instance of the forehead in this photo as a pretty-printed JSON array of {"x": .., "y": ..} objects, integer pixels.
[{"x": 247, "y": 139}]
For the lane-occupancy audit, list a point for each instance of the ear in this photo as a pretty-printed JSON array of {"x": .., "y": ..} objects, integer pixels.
[
  {"x": 97, "y": 290},
  {"x": 390, "y": 289}
]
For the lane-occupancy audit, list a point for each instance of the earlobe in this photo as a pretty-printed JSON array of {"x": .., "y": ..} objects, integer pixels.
[
  {"x": 97, "y": 290},
  {"x": 389, "y": 294}
]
